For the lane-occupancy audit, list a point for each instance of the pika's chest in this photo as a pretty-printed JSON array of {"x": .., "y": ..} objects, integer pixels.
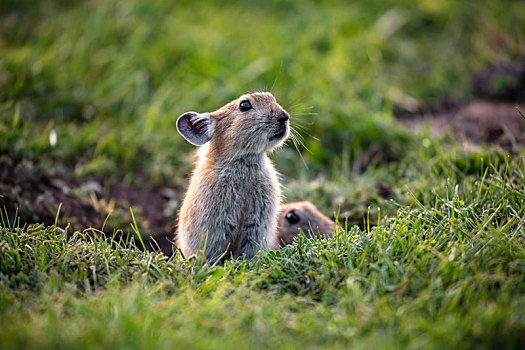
[{"x": 248, "y": 178}]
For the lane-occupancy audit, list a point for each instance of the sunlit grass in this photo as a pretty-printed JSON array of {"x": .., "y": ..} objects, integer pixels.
[{"x": 447, "y": 274}]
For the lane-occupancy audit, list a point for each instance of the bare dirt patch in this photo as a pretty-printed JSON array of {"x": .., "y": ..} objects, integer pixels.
[
  {"x": 491, "y": 118},
  {"x": 42, "y": 195},
  {"x": 474, "y": 123}
]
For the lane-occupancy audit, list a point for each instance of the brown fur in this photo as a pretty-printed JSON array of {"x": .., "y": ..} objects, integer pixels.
[
  {"x": 311, "y": 222},
  {"x": 233, "y": 197}
]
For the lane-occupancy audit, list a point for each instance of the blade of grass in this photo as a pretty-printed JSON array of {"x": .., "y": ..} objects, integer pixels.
[{"x": 136, "y": 229}]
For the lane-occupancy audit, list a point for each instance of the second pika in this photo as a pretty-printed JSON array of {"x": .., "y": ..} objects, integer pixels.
[
  {"x": 302, "y": 216},
  {"x": 233, "y": 197}
]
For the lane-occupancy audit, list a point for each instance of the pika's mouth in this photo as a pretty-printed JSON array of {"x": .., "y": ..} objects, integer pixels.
[{"x": 279, "y": 135}]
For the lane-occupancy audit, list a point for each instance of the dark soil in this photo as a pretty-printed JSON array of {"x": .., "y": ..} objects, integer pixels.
[
  {"x": 489, "y": 118},
  {"x": 475, "y": 123},
  {"x": 39, "y": 194}
]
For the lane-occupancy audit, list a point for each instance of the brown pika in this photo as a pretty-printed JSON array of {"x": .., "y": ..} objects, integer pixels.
[
  {"x": 305, "y": 216},
  {"x": 230, "y": 207}
]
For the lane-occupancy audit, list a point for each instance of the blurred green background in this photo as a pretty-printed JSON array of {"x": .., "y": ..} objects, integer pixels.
[{"x": 109, "y": 78}]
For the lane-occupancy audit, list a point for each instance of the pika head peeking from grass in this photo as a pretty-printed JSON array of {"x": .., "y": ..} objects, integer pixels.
[
  {"x": 231, "y": 205},
  {"x": 302, "y": 216}
]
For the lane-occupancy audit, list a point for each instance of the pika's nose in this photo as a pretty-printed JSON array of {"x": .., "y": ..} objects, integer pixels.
[{"x": 282, "y": 116}]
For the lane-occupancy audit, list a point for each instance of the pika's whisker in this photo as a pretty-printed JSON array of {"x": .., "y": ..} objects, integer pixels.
[
  {"x": 299, "y": 126},
  {"x": 301, "y": 121},
  {"x": 298, "y": 102},
  {"x": 300, "y": 114},
  {"x": 292, "y": 137},
  {"x": 303, "y": 129},
  {"x": 299, "y": 139},
  {"x": 299, "y": 107}
]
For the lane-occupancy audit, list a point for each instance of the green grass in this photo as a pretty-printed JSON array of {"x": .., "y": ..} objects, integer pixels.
[
  {"x": 112, "y": 77},
  {"x": 446, "y": 274},
  {"x": 438, "y": 262}
]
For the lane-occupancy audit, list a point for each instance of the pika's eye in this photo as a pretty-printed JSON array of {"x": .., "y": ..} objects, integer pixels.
[
  {"x": 292, "y": 217},
  {"x": 245, "y": 106}
]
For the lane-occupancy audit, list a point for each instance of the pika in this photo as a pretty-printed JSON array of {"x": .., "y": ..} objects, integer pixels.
[
  {"x": 305, "y": 216},
  {"x": 231, "y": 205}
]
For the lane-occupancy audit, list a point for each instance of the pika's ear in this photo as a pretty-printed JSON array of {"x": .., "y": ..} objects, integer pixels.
[{"x": 194, "y": 127}]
